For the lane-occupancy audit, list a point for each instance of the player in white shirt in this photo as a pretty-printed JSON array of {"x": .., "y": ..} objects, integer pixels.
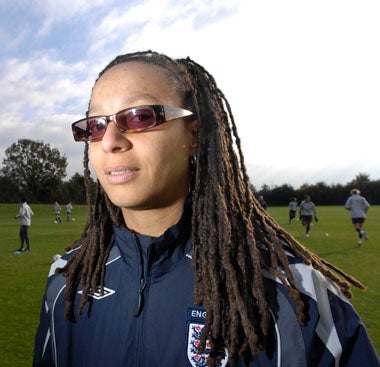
[
  {"x": 358, "y": 206},
  {"x": 307, "y": 213}
]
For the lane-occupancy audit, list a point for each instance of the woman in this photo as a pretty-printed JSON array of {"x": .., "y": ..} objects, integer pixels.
[
  {"x": 178, "y": 264},
  {"x": 307, "y": 213},
  {"x": 358, "y": 207},
  {"x": 24, "y": 214},
  {"x": 292, "y": 209}
]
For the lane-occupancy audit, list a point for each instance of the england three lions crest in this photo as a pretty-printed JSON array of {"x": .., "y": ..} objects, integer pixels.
[{"x": 196, "y": 321}]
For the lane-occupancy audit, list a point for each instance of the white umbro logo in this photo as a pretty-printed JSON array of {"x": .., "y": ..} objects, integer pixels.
[{"x": 98, "y": 295}]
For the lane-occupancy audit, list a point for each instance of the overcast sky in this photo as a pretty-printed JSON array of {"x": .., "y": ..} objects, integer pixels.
[{"x": 302, "y": 77}]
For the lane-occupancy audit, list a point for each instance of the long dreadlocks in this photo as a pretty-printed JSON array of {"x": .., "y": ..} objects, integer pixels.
[{"x": 230, "y": 231}]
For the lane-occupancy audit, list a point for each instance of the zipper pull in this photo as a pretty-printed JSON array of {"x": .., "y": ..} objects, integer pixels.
[{"x": 140, "y": 304}]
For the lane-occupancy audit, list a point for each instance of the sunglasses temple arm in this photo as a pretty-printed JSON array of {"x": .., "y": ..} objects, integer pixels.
[{"x": 172, "y": 113}]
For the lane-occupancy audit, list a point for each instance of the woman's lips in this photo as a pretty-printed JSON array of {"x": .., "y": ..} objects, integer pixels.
[{"x": 118, "y": 175}]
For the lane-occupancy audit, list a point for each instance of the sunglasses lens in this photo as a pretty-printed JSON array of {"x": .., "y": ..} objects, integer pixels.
[
  {"x": 97, "y": 127},
  {"x": 136, "y": 119},
  {"x": 80, "y": 130}
]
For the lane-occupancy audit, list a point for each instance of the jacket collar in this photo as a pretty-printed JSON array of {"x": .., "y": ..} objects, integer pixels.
[{"x": 157, "y": 254}]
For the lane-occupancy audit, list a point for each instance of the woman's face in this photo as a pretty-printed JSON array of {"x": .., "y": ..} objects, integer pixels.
[{"x": 149, "y": 169}]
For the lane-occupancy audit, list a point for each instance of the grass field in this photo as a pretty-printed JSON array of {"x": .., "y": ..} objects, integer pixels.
[{"x": 23, "y": 276}]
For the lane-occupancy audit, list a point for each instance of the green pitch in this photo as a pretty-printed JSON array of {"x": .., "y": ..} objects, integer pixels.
[{"x": 23, "y": 276}]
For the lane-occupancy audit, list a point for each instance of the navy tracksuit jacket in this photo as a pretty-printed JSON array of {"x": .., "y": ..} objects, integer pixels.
[{"x": 147, "y": 317}]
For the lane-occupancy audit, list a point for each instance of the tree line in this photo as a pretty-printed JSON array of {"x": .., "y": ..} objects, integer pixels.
[
  {"x": 321, "y": 193},
  {"x": 37, "y": 170}
]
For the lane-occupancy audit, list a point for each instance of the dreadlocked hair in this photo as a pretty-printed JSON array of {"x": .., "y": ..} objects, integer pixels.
[{"x": 231, "y": 233}]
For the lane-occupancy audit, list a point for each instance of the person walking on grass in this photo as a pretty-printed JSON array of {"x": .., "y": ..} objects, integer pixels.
[
  {"x": 292, "y": 209},
  {"x": 69, "y": 208},
  {"x": 262, "y": 202},
  {"x": 307, "y": 213},
  {"x": 25, "y": 214},
  {"x": 57, "y": 213},
  {"x": 358, "y": 206}
]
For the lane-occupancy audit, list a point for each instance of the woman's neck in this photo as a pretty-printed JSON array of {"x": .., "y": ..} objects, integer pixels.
[{"x": 153, "y": 222}]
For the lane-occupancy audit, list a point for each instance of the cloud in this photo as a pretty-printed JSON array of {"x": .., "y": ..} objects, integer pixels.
[
  {"x": 59, "y": 11},
  {"x": 174, "y": 27},
  {"x": 42, "y": 85},
  {"x": 214, "y": 14},
  {"x": 12, "y": 42}
]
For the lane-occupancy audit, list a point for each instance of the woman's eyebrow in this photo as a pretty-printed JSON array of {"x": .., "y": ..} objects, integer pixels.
[{"x": 129, "y": 102}]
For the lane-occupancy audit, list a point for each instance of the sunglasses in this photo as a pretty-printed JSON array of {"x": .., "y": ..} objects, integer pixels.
[{"x": 130, "y": 120}]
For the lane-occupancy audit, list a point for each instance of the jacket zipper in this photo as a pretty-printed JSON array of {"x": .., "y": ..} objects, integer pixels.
[{"x": 140, "y": 303}]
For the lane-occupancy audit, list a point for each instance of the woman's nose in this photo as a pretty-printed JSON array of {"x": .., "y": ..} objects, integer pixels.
[{"x": 114, "y": 140}]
